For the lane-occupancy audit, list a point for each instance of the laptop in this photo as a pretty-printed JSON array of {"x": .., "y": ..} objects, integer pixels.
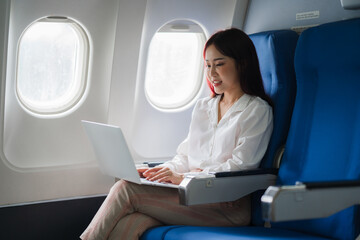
[{"x": 113, "y": 154}]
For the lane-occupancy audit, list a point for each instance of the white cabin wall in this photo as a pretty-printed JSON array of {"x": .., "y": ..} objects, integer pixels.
[
  {"x": 62, "y": 139},
  {"x": 4, "y": 30},
  {"x": 125, "y": 65},
  {"x": 240, "y": 14},
  {"x": 5, "y": 184}
]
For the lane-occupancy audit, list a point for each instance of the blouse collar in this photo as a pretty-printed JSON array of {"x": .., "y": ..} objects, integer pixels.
[{"x": 238, "y": 106}]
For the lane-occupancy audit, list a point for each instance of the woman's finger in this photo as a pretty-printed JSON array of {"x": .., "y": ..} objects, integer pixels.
[
  {"x": 164, "y": 179},
  {"x": 151, "y": 171},
  {"x": 159, "y": 174}
]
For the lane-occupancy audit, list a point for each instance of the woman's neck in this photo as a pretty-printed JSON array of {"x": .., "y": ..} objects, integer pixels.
[
  {"x": 225, "y": 104},
  {"x": 230, "y": 99}
]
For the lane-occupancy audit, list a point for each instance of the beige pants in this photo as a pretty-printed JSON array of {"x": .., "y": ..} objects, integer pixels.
[{"x": 130, "y": 209}]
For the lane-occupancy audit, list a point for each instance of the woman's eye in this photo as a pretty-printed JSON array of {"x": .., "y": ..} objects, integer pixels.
[{"x": 216, "y": 65}]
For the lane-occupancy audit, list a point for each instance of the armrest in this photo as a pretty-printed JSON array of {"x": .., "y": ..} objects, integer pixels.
[
  {"x": 224, "y": 186},
  {"x": 309, "y": 200}
]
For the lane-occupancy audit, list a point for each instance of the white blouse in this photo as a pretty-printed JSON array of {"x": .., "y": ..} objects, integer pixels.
[{"x": 237, "y": 142}]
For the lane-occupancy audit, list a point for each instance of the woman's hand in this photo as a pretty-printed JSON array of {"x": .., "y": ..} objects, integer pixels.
[
  {"x": 142, "y": 170},
  {"x": 163, "y": 174}
]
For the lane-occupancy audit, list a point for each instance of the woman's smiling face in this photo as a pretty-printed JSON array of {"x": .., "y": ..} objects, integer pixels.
[{"x": 221, "y": 71}]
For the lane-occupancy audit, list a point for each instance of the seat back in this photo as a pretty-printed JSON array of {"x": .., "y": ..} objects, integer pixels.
[
  {"x": 275, "y": 50},
  {"x": 324, "y": 138}
]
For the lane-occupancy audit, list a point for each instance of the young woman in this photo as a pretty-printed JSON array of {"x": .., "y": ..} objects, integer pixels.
[{"x": 229, "y": 131}]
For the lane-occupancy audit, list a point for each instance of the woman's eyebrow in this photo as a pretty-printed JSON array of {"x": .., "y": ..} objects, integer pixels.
[{"x": 216, "y": 59}]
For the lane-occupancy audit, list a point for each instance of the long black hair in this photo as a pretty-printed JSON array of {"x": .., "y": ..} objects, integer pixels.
[{"x": 236, "y": 44}]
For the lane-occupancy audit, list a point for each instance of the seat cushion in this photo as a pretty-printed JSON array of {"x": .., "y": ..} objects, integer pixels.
[{"x": 222, "y": 233}]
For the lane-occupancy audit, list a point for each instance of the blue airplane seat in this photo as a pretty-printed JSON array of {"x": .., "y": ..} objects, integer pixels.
[
  {"x": 275, "y": 50},
  {"x": 324, "y": 138},
  {"x": 224, "y": 233},
  {"x": 276, "y": 57}
]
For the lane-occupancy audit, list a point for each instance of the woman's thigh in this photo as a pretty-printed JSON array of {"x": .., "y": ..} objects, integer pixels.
[{"x": 163, "y": 204}]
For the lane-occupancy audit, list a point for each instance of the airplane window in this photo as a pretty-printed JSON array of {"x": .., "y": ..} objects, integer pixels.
[
  {"x": 51, "y": 66},
  {"x": 174, "y": 68}
]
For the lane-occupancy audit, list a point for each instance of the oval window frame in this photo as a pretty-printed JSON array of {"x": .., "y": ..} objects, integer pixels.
[
  {"x": 179, "y": 26},
  {"x": 82, "y": 63}
]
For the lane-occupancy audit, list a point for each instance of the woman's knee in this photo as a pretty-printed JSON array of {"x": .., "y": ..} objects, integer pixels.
[
  {"x": 119, "y": 184},
  {"x": 124, "y": 187}
]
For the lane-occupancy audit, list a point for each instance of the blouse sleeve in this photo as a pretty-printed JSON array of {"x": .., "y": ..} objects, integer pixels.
[
  {"x": 180, "y": 162},
  {"x": 252, "y": 142}
]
